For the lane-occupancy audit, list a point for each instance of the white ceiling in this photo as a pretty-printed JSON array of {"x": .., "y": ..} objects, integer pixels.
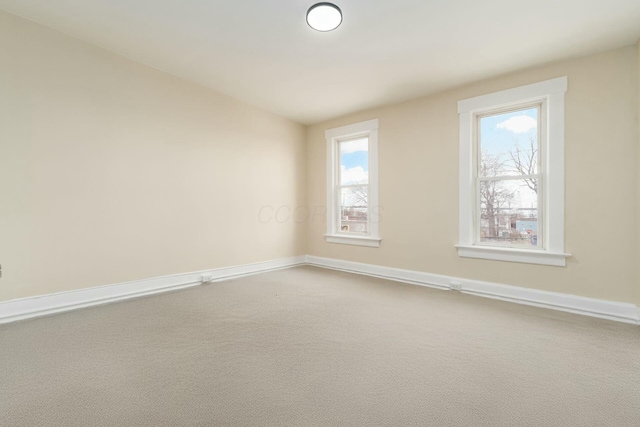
[{"x": 263, "y": 52}]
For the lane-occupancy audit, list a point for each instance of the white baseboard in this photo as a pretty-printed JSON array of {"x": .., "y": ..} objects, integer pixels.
[
  {"x": 25, "y": 308},
  {"x": 618, "y": 311}
]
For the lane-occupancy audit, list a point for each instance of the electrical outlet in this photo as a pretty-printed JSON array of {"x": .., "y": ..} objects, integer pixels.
[
  {"x": 455, "y": 286},
  {"x": 206, "y": 278}
]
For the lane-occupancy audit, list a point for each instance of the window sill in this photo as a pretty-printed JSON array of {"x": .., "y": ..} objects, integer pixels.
[
  {"x": 353, "y": 240},
  {"x": 527, "y": 256}
]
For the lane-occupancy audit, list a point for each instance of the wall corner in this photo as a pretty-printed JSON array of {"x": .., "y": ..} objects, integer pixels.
[{"x": 638, "y": 168}]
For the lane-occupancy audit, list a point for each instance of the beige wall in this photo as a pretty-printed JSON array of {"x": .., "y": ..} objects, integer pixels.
[
  {"x": 111, "y": 171},
  {"x": 418, "y": 150}
]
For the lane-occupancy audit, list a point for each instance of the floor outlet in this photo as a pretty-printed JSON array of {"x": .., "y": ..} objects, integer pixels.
[{"x": 455, "y": 286}]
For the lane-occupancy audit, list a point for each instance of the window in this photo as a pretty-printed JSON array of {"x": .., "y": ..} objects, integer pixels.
[
  {"x": 352, "y": 184},
  {"x": 512, "y": 175}
]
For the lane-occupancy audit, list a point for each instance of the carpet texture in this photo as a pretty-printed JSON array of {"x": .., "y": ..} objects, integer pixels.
[{"x": 312, "y": 347}]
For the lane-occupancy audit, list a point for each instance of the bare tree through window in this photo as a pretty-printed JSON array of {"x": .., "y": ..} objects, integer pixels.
[
  {"x": 525, "y": 161},
  {"x": 508, "y": 178}
]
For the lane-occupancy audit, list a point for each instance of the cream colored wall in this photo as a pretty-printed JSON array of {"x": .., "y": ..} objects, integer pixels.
[
  {"x": 418, "y": 150},
  {"x": 111, "y": 171}
]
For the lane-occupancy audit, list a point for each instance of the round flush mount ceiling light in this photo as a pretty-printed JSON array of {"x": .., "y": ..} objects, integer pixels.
[{"x": 324, "y": 16}]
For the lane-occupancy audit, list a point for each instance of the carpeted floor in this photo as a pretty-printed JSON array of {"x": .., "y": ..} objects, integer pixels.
[{"x": 312, "y": 347}]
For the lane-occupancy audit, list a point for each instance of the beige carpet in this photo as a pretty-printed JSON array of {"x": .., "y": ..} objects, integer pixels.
[{"x": 311, "y": 347}]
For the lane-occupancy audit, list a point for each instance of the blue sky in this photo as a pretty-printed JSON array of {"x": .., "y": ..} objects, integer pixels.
[
  {"x": 354, "y": 161},
  {"x": 499, "y": 132}
]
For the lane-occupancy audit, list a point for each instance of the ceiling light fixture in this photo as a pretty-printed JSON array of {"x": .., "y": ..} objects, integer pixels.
[{"x": 324, "y": 16}]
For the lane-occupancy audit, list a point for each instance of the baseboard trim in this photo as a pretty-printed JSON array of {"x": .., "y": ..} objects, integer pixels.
[
  {"x": 618, "y": 311},
  {"x": 26, "y": 308}
]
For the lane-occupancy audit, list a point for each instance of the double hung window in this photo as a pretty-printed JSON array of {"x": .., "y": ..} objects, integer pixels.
[
  {"x": 352, "y": 184},
  {"x": 512, "y": 174}
]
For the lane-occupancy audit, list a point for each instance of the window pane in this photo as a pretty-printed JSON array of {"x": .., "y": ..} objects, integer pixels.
[
  {"x": 354, "y": 210},
  {"x": 508, "y": 143},
  {"x": 509, "y": 212},
  {"x": 354, "y": 161}
]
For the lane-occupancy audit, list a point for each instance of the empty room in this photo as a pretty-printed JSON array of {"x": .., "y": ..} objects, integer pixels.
[{"x": 345, "y": 213}]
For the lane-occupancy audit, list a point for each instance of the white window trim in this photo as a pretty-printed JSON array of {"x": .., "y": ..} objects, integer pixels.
[
  {"x": 368, "y": 128},
  {"x": 552, "y": 91}
]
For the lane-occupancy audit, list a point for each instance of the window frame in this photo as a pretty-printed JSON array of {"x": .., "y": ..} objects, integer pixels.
[
  {"x": 368, "y": 129},
  {"x": 549, "y": 95}
]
